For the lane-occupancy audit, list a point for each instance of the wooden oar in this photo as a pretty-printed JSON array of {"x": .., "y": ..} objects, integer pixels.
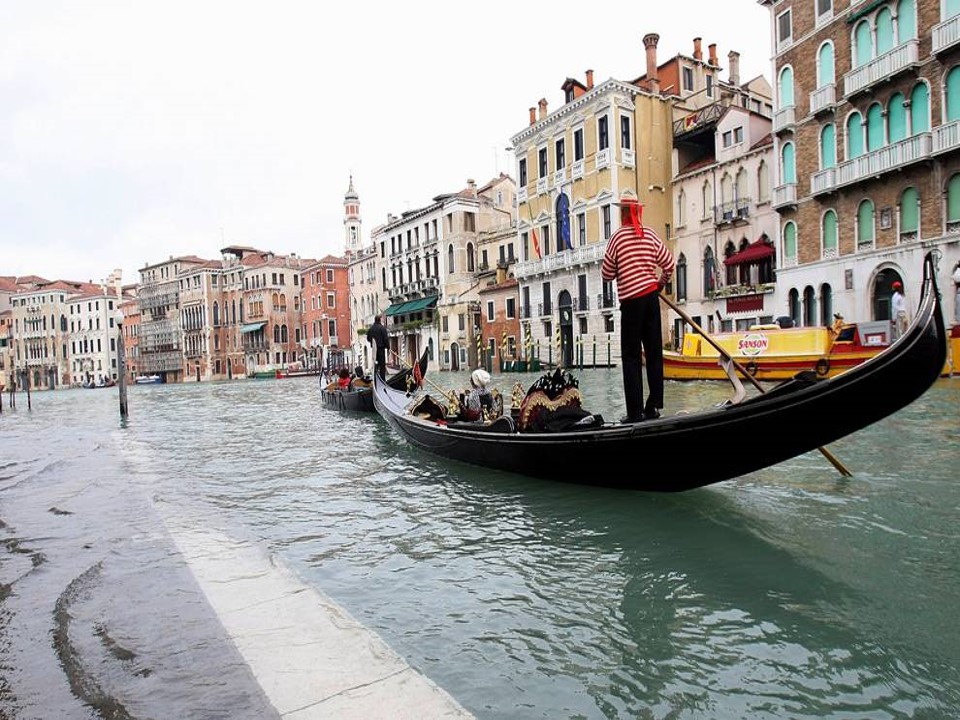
[{"x": 677, "y": 309}]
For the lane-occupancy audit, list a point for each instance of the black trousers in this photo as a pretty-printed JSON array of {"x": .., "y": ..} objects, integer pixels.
[{"x": 640, "y": 332}]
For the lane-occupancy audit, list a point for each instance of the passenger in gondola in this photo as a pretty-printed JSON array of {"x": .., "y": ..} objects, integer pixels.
[
  {"x": 360, "y": 380},
  {"x": 478, "y": 399},
  {"x": 344, "y": 382}
]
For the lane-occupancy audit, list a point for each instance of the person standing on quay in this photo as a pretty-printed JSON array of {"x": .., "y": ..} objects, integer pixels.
[
  {"x": 898, "y": 309},
  {"x": 633, "y": 256},
  {"x": 377, "y": 335}
]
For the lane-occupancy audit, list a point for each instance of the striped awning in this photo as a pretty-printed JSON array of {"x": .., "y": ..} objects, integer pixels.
[{"x": 252, "y": 327}]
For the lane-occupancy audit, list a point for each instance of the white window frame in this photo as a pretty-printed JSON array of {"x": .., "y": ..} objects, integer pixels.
[{"x": 784, "y": 42}]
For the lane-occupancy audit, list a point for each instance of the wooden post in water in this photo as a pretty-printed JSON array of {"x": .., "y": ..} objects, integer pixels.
[
  {"x": 26, "y": 377},
  {"x": 121, "y": 366}
]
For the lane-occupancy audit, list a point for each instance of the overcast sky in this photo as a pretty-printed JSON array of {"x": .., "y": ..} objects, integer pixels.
[{"x": 131, "y": 131}]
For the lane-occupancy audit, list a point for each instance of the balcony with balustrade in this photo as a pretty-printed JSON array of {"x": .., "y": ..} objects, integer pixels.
[
  {"x": 946, "y": 35},
  {"x": 732, "y": 211},
  {"x": 885, "y": 67},
  {"x": 562, "y": 261},
  {"x": 946, "y": 137},
  {"x": 784, "y": 196},
  {"x": 823, "y": 99},
  {"x": 785, "y": 119}
]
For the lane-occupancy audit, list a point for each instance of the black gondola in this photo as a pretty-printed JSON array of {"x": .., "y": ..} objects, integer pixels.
[
  {"x": 803, "y": 414},
  {"x": 361, "y": 399}
]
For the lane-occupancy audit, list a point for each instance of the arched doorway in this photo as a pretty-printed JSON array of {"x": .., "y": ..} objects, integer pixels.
[
  {"x": 565, "y": 305},
  {"x": 454, "y": 356},
  {"x": 882, "y": 292}
]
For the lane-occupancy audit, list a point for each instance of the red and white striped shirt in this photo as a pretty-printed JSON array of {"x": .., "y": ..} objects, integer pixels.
[{"x": 632, "y": 260}]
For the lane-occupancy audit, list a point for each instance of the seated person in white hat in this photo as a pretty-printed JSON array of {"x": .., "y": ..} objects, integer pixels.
[{"x": 478, "y": 398}]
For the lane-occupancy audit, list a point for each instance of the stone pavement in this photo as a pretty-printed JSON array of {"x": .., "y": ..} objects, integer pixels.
[{"x": 310, "y": 657}]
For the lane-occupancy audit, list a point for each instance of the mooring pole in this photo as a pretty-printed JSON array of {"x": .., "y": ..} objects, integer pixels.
[{"x": 121, "y": 366}]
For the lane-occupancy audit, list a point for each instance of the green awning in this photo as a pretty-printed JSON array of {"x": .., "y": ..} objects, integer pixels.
[
  {"x": 394, "y": 309},
  {"x": 252, "y": 327},
  {"x": 420, "y": 304},
  {"x": 412, "y": 306}
]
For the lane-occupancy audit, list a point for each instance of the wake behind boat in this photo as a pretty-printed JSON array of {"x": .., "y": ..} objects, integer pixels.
[{"x": 802, "y": 414}]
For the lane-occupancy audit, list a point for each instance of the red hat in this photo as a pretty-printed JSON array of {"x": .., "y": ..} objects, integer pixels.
[{"x": 897, "y": 285}]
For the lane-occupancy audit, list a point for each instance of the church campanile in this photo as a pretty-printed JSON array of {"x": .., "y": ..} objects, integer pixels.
[{"x": 351, "y": 220}]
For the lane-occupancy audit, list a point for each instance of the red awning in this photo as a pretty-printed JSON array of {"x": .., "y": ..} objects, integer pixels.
[{"x": 753, "y": 252}]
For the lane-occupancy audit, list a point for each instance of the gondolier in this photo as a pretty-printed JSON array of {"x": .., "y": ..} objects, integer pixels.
[
  {"x": 642, "y": 265},
  {"x": 377, "y": 335}
]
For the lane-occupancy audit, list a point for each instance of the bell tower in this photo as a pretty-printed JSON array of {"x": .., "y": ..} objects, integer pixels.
[{"x": 351, "y": 220}]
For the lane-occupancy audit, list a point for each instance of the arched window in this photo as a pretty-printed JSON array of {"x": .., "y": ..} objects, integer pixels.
[
  {"x": 563, "y": 223},
  {"x": 909, "y": 214},
  {"x": 865, "y": 225},
  {"x": 786, "y": 87},
  {"x": 681, "y": 277},
  {"x": 826, "y": 73},
  {"x": 681, "y": 208},
  {"x": 884, "y": 31},
  {"x": 276, "y": 300},
  {"x": 707, "y": 198},
  {"x": 788, "y": 164},
  {"x": 763, "y": 181},
  {"x": 284, "y": 334},
  {"x": 919, "y": 109},
  {"x": 730, "y": 276},
  {"x": 826, "y": 305},
  {"x": 809, "y": 307},
  {"x": 896, "y": 118},
  {"x": 828, "y": 146},
  {"x": 874, "y": 127},
  {"x": 790, "y": 240},
  {"x": 951, "y": 9},
  {"x": 854, "y": 136},
  {"x": 470, "y": 259},
  {"x": 276, "y": 333},
  {"x": 862, "y": 43},
  {"x": 793, "y": 300},
  {"x": 709, "y": 272},
  {"x": 216, "y": 313},
  {"x": 953, "y": 201},
  {"x": 953, "y": 90},
  {"x": 726, "y": 190},
  {"x": 450, "y": 266},
  {"x": 906, "y": 20},
  {"x": 742, "y": 192},
  {"x": 283, "y": 301},
  {"x": 830, "y": 236}
]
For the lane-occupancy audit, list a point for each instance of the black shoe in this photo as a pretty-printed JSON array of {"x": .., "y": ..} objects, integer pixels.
[
  {"x": 627, "y": 420},
  {"x": 651, "y": 414}
]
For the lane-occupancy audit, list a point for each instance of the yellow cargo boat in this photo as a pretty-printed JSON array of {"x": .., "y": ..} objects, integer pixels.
[{"x": 769, "y": 352}]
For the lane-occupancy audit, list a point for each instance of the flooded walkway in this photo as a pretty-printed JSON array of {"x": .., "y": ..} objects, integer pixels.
[{"x": 111, "y": 607}]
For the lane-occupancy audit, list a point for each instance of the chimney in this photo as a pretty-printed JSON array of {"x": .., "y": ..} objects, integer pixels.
[
  {"x": 697, "y": 51},
  {"x": 650, "y": 41},
  {"x": 589, "y": 79},
  {"x": 733, "y": 58},
  {"x": 712, "y": 47},
  {"x": 533, "y": 116},
  {"x": 543, "y": 108},
  {"x": 472, "y": 186}
]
